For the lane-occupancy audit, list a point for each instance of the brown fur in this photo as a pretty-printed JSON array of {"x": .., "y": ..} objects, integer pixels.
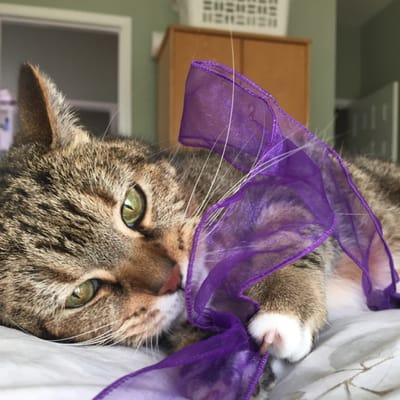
[
  {"x": 60, "y": 197},
  {"x": 61, "y": 193}
]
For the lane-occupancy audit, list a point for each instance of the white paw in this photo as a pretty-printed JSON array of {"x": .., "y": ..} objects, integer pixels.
[{"x": 283, "y": 335}]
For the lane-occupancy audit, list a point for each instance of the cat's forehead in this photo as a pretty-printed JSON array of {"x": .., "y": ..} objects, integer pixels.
[
  {"x": 65, "y": 203},
  {"x": 102, "y": 164}
]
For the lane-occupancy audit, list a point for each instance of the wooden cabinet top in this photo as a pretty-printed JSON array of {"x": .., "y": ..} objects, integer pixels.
[
  {"x": 237, "y": 35},
  {"x": 280, "y": 65}
]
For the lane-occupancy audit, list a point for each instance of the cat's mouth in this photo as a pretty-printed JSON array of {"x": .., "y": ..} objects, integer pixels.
[{"x": 166, "y": 312}]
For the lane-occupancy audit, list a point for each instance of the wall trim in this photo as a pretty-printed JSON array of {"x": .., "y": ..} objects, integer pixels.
[
  {"x": 45, "y": 16},
  {"x": 395, "y": 116},
  {"x": 343, "y": 103}
]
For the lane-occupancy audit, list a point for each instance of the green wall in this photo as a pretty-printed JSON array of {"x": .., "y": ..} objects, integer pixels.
[
  {"x": 380, "y": 49},
  {"x": 348, "y": 62},
  {"x": 147, "y": 16},
  {"x": 316, "y": 19}
]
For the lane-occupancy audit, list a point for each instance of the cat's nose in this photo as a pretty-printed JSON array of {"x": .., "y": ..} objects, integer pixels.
[{"x": 173, "y": 282}]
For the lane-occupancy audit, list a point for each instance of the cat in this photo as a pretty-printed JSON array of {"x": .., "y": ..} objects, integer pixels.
[{"x": 95, "y": 237}]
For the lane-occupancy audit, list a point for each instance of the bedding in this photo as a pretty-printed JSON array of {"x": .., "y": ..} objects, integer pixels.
[{"x": 357, "y": 358}]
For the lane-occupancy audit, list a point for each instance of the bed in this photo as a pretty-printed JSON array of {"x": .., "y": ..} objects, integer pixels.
[{"x": 356, "y": 358}]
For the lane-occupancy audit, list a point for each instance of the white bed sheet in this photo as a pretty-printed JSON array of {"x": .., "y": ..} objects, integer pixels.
[
  {"x": 34, "y": 369},
  {"x": 356, "y": 358}
]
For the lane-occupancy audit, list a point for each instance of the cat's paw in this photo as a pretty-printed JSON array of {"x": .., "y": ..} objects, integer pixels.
[{"x": 283, "y": 335}]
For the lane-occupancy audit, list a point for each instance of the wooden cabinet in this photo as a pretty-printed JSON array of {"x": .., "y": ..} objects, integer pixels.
[
  {"x": 282, "y": 69},
  {"x": 279, "y": 65}
]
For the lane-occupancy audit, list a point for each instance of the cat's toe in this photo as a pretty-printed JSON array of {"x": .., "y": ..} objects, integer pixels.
[{"x": 283, "y": 335}]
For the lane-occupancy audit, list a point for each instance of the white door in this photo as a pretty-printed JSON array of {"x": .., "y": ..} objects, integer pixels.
[
  {"x": 87, "y": 54},
  {"x": 373, "y": 124},
  {"x": 83, "y": 64}
]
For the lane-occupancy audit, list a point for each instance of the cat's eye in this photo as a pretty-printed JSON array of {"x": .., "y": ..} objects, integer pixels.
[
  {"x": 133, "y": 208},
  {"x": 83, "y": 293}
]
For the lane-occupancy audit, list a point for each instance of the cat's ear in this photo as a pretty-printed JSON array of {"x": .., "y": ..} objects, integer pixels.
[{"x": 45, "y": 118}]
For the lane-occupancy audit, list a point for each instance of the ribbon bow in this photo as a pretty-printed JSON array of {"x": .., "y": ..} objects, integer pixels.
[{"x": 230, "y": 115}]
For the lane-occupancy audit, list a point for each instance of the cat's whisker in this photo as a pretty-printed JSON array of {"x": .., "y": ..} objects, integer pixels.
[
  {"x": 323, "y": 133},
  {"x": 351, "y": 213},
  {"x": 156, "y": 336},
  {"x": 103, "y": 338},
  {"x": 85, "y": 333},
  {"x": 101, "y": 341},
  {"x": 116, "y": 339},
  {"x": 264, "y": 166},
  {"x": 140, "y": 343},
  {"x": 157, "y": 339},
  {"x": 228, "y": 132},
  {"x": 174, "y": 155},
  {"x": 151, "y": 342},
  {"x": 122, "y": 334},
  {"x": 163, "y": 150},
  {"x": 256, "y": 158},
  {"x": 199, "y": 176},
  {"x": 260, "y": 168},
  {"x": 235, "y": 248},
  {"x": 19, "y": 326},
  {"x": 97, "y": 340},
  {"x": 200, "y": 210},
  {"x": 109, "y": 124},
  {"x": 235, "y": 187},
  {"x": 218, "y": 256},
  {"x": 270, "y": 163},
  {"x": 209, "y": 153},
  {"x": 147, "y": 341},
  {"x": 254, "y": 167}
]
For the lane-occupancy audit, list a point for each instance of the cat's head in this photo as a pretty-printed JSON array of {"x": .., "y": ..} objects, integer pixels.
[{"x": 92, "y": 232}]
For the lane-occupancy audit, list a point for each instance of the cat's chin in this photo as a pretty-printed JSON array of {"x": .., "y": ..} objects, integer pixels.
[{"x": 172, "y": 309}]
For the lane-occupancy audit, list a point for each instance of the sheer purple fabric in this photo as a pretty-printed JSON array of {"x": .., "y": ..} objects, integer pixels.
[{"x": 240, "y": 239}]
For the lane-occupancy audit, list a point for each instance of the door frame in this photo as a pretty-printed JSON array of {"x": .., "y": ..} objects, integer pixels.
[{"x": 120, "y": 25}]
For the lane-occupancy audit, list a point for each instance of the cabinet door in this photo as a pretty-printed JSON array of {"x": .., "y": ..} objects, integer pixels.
[
  {"x": 197, "y": 46},
  {"x": 282, "y": 69}
]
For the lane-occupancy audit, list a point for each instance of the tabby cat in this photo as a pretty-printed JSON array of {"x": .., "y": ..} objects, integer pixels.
[{"x": 95, "y": 237}]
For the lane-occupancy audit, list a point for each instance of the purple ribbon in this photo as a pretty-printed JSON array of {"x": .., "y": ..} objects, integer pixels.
[{"x": 240, "y": 241}]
